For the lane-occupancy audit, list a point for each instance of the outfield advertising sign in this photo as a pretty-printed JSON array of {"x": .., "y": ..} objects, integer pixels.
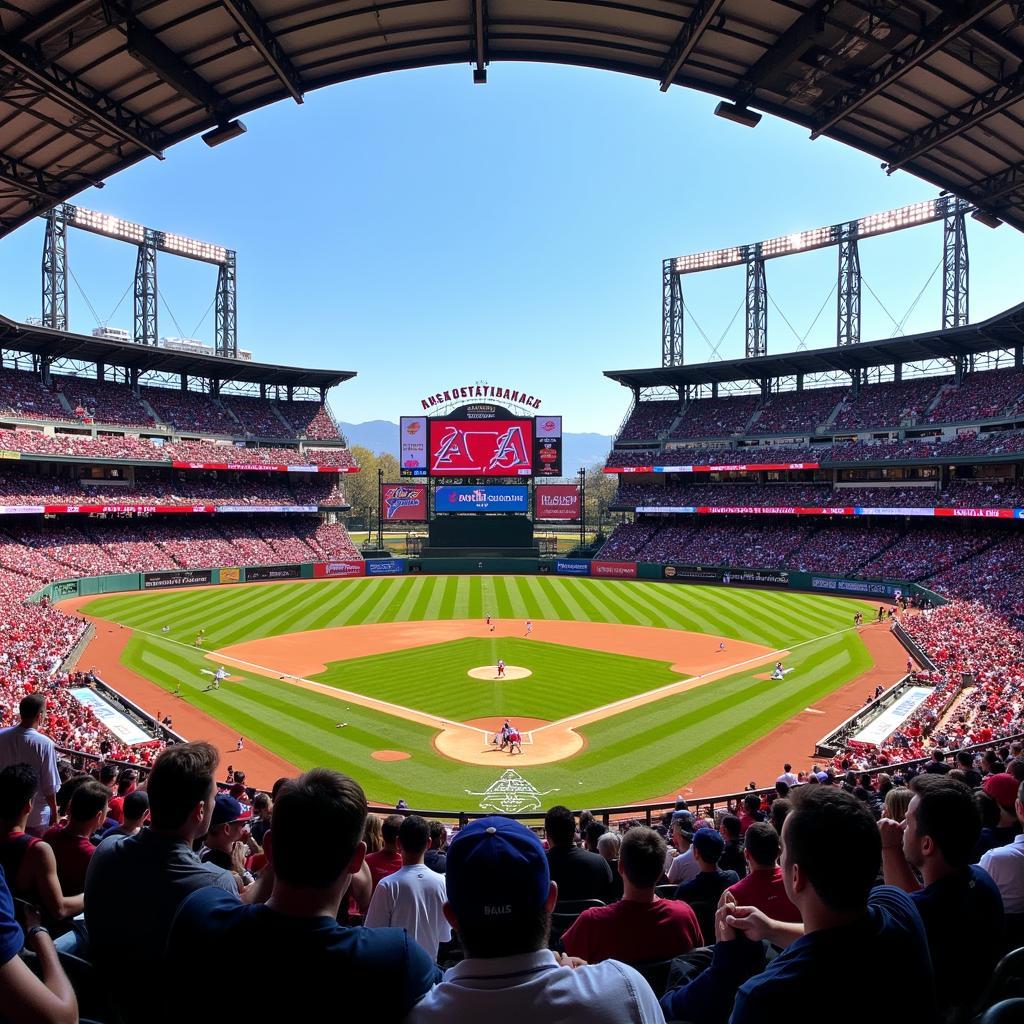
[
  {"x": 613, "y": 570},
  {"x": 557, "y": 502},
  {"x": 176, "y": 578},
  {"x": 757, "y": 577},
  {"x": 344, "y": 567},
  {"x": 261, "y": 573},
  {"x": 688, "y": 573},
  {"x": 870, "y": 587},
  {"x": 385, "y": 567},
  {"x": 572, "y": 567},
  {"x": 404, "y": 503},
  {"x": 481, "y": 499}
]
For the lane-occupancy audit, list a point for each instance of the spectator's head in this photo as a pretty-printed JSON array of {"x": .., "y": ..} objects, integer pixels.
[
  {"x": 1002, "y": 787},
  {"x": 787, "y": 768},
  {"x": 778, "y": 812},
  {"x": 373, "y": 834},
  {"x": 108, "y": 774},
  {"x": 500, "y": 893},
  {"x": 942, "y": 826},
  {"x": 276, "y": 788},
  {"x": 708, "y": 846},
  {"x": 389, "y": 831},
  {"x": 18, "y": 783},
  {"x": 88, "y": 808},
  {"x": 127, "y": 779},
  {"x": 262, "y": 806},
  {"x": 136, "y": 809},
  {"x": 730, "y": 827},
  {"x": 938, "y": 755},
  {"x": 682, "y": 830},
  {"x": 608, "y": 846},
  {"x": 761, "y": 847},
  {"x": 1016, "y": 768},
  {"x": 227, "y": 823},
  {"x": 965, "y": 759},
  {"x": 782, "y": 789},
  {"x": 317, "y": 825},
  {"x": 413, "y": 839},
  {"x": 831, "y": 853},
  {"x": 642, "y": 859},
  {"x": 32, "y": 710},
  {"x": 896, "y": 803},
  {"x": 595, "y": 829},
  {"x": 438, "y": 835},
  {"x": 181, "y": 789},
  {"x": 751, "y": 804},
  {"x": 988, "y": 809},
  {"x": 559, "y": 826}
]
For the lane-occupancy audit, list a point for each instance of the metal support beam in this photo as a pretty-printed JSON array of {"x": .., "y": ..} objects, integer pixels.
[
  {"x": 671, "y": 316},
  {"x": 162, "y": 61},
  {"x": 848, "y": 294},
  {"x": 480, "y": 27},
  {"x": 226, "y": 314},
  {"x": 686, "y": 41},
  {"x": 145, "y": 291},
  {"x": 952, "y": 22},
  {"x": 55, "y": 270},
  {"x": 37, "y": 183},
  {"x": 267, "y": 44},
  {"x": 955, "y": 266},
  {"x": 65, "y": 89},
  {"x": 756, "y": 307}
]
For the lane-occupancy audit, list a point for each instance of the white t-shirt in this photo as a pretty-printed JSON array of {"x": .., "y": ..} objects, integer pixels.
[
  {"x": 532, "y": 987},
  {"x": 27, "y": 746},
  {"x": 1005, "y": 865},
  {"x": 684, "y": 868},
  {"x": 788, "y": 778},
  {"x": 412, "y": 898}
]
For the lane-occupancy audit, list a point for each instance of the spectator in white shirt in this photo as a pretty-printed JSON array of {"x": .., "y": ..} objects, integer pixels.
[
  {"x": 1005, "y": 865},
  {"x": 23, "y": 744},
  {"x": 413, "y": 897},
  {"x": 787, "y": 776},
  {"x": 684, "y": 868}
]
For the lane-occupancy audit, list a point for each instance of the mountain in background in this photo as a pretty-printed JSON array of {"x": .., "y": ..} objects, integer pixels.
[{"x": 382, "y": 436}]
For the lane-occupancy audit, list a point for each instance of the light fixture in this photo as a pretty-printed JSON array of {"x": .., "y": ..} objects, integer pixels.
[
  {"x": 479, "y": 76},
  {"x": 739, "y": 114},
  {"x": 990, "y": 220},
  {"x": 223, "y": 133}
]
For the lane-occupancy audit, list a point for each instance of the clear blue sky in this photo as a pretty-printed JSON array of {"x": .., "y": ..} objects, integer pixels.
[{"x": 428, "y": 233}]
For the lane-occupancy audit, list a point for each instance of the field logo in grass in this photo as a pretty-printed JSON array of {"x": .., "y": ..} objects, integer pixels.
[{"x": 511, "y": 794}]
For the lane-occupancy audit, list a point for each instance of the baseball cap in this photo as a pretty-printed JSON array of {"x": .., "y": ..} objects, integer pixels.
[
  {"x": 227, "y": 809},
  {"x": 1002, "y": 788},
  {"x": 709, "y": 844},
  {"x": 683, "y": 820},
  {"x": 496, "y": 869}
]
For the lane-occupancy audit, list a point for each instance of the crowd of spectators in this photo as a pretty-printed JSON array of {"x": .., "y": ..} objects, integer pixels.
[
  {"x": 22, "y": 394},
  {"x": 648, "y": 420},
  {"x": 190, "y": 411},
  {"x": 801, "y": 412},
  {"x": 309, "y": 419},
  {"x": 95, "y": 401},
  {"x": 715, "y": 417},
  {"x": 983, "y": 395},
  {"x": 889, "y": 404}
]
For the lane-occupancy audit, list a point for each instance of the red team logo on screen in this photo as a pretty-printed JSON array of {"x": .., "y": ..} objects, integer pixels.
[{"x": 497, "y": 448}]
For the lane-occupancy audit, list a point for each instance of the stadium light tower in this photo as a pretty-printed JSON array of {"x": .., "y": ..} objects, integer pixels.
[
  {"x": 149, "y": 242},
  {"x": 951, "y": 210}
]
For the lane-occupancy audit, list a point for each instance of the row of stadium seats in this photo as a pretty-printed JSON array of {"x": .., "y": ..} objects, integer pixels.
[
  {"x": 90, "y": 401},
  {"x": 35, "y": 442},
  {"x": 986, "y": 394}
]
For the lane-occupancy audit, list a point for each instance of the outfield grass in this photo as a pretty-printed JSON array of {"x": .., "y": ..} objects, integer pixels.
[{"x": 638, "y": 754}]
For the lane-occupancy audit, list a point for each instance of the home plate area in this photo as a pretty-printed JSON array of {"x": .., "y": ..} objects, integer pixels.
[{"x": 490, "y": 672}]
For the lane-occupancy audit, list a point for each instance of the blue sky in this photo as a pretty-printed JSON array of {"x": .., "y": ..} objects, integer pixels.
[{"x": 428, "y": 233}]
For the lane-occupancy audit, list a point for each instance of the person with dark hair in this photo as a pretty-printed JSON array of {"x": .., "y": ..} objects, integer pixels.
[
  {"x": 763, "y": 887},
  {"x": 594, "y": 831},
  {"x": 831, "y": 854},
  {"x": 965, "y": 762},
  {"x": 24, "y": 744},
  {"x": 72, "y": 843},
  {"x": 412, "y": 897},
  {"x": 937, "y": 765},
  {"x": 712, "y": 880},
  {"x": 579, "y": 874},
  {"x": 387, "y": 860},
  {"x": 1005, "y": 865},
  {"x": 28, "y": 863},
  {"x": 127, "y": 782},
  {"x": 228, "y": 842},
  {"x": 135, "y": 809},
  {"x": 732, "y": 858},
  {"x": 778, "y": 812},
  {"x": 683, "y": 868},
  {"x": 937, "y": 838},
  {"x": 293, "y": 944},
  {"x": 435, "y": 855},
  {"x": 500, "y": 898},
  {"x": 262, "y": 807},
  {"x": 751, "y": 812},
  {"x": 135, "y": 884},
  {"x": 640, "y": 926}
]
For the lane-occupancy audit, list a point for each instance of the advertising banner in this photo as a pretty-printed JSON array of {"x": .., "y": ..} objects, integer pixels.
[
  {"x": 385, "y": 567},
  {"x": 547, "y": 446},
  {"x": 481, "y": 499},
  {"x": 133, "y": 510},
  {"x": 66, "y": 588},
  {"x": 613, "y": 570},
  {"x": 122, "y": 727},
  {"x": 345, "y": 567},
  {"x": 412, "y": 432},
  {"x": 259, "y": 573},
  {"x": 265, "y": 508},
  {"x": 404, "y": 503},
  {"x": 756, "y": 577},
  {"x": 572, "y": 567},
  {"x": 261, "y": 467},
  {"x": 176, "y": 578},
  {"x": 688, "y": 573},
  {"x": 881, "y": 728},
  {"x": 232, "y": 575},
  {"x": 481, "y": 447},
  {"x": 869, "y": 587},
  {"x": 732, "y": 467},
  {"x": 556, "y": 502}
]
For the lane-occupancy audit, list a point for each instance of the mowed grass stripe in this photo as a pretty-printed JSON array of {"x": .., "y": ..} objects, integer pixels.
[
  {"x": 630, "y": 603},
  {"x": 539, "y": 597}
]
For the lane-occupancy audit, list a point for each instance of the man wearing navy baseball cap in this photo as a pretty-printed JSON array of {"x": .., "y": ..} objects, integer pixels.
[{"x": 500, "y": 898}]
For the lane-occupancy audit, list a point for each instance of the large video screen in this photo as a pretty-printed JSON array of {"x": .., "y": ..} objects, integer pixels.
[{"x": 481, "y": 447}]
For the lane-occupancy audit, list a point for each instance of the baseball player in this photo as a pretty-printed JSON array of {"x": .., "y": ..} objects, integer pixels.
[
  {"x": 240, "y": 744},
  {"x": 515, "y": 739},
  {"x": 488, "y": 618},
  {"x": 529, "y": 627},
  {"x": 219, "y": 676},
  {"x": 501, "y": 668}
]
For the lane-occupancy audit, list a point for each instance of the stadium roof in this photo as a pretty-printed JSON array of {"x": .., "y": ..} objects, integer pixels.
[
  {"x": 52, "y": 344},
  {"x": 89, "y": 87},
  {"x": 1005, "y": 331}
]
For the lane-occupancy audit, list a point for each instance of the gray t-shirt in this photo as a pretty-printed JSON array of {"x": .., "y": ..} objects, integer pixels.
[
  {"x": 26, "y": 746},
  {"x": 133, "y": 889}
]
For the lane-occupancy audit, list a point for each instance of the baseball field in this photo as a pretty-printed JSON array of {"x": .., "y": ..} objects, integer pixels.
[{"x": 624, "y": 690}]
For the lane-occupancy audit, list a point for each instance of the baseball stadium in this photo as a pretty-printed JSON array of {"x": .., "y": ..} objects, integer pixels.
[{"x": 814, "y": 568}]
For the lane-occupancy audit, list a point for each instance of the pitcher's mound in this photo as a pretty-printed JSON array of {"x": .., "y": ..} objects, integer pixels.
[{"x": 491, "y": 672}]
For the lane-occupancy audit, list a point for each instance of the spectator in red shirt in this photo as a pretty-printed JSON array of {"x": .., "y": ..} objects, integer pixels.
[
  {"x": 71, "y": 843},
  {"x": 751, "y": 812},
  {"x": 763, "y": 887},
  {"x": 387, "y": 860},
  {"x": 126, "y": 783},
  {"x": 640, "y": 926}
]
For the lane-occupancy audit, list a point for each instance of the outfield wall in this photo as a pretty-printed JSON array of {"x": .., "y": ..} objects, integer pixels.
[{"x": 845, "y": 586}]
